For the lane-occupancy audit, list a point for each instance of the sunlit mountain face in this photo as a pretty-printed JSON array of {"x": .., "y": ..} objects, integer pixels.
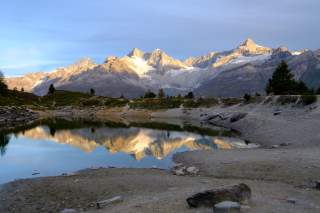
[
  {"x": 59, "y": 146},
  {"x": 231, "y": 73}
]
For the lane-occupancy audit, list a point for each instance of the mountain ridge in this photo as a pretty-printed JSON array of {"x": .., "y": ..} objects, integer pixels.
[{"x": 213, "y": 74}]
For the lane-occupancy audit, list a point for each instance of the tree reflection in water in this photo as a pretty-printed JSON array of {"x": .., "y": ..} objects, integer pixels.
[{"x": 4, "y": 141}]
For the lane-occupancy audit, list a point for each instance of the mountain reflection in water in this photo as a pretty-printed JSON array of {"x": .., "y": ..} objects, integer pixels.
[
  {"x": 138, "y": 142},
  {"x": 52, "y": 147}
]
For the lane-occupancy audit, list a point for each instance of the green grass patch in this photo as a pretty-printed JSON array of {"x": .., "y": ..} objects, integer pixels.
[
  {"x": 64, "y": 98},
  {"x": 156, "y": 103},
  {"x": 307, "y": 99},
  {"x": 16, "y": 98},
  {"x": 114, "y": 102}
]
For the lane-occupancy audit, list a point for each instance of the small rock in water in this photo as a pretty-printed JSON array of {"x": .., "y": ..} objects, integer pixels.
[
  {"x": 68, "y": 211},
  {"x": 226, "y": 207},
  {"x": 36, "y": 173}
]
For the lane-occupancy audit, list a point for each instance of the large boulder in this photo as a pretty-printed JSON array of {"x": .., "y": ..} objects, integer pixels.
[{"x": 239, "y": 193}]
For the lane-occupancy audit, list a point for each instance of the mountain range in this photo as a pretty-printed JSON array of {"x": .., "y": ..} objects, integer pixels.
[{"x": 244, "y": 69}]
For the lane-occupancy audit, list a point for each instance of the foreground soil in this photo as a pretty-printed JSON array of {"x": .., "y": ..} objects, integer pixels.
[
  {"x": 275, "y": 173},
  {"x": 143, "y": 191}
]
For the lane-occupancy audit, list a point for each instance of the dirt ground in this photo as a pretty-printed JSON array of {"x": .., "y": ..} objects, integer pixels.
[{"x": 143, "y": 190}]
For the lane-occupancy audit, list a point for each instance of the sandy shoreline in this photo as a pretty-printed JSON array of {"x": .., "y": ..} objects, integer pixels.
[{"x": 274, "y": 174}]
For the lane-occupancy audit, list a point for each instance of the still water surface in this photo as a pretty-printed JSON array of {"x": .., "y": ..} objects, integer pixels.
[{"x": 59, "y": 146}]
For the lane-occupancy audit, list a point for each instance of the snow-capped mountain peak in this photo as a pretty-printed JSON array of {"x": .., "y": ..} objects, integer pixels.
[
  {"x": 250, "y": 47},
  {"x": 136, "y": 53},
  {"x": 245, "y": 69}
]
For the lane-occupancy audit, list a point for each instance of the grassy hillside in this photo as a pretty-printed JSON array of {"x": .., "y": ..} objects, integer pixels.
[
  {"x": 67, "y": 98},
  {"x": 16, "y": 98}
]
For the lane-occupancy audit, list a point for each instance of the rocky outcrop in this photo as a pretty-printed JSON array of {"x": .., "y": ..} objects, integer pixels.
[{"x": 15, "y": 116}]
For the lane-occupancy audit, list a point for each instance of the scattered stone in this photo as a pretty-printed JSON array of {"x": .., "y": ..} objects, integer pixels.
[
  {"x": 181, "y": 170},
  {"x": 13, "y": 116},
  {"x": 101, "y": 204},
  {"x": 292, "y": 200},
  {"x": 277, "y": 112},
  {"x": 68, "y": 211},
  {"x": 68, "y": 174},
  {"x": 192, "y": 170},
  {"x": 226, "y": 207},
  {"x": 237, "y": 116},
  {"x": 280, "y": 145},
  {"x": 245, "y": 208},
  {"x": 284, "y": 144},
  {"x": 239, "y": 193}
]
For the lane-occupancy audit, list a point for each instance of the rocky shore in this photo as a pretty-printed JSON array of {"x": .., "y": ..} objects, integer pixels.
[{"x": 12, "y": 116}]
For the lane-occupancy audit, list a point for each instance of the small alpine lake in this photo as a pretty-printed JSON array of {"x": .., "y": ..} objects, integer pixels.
[{"x": 53, "y": 147}]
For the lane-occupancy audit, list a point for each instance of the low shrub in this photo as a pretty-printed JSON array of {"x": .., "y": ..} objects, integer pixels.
[
  {"x": 90, "y": 102},
  {"x": 247, "y": 97},
  {"x": 287, "y": 99},
  {"x": 156, "y": 103},
  {"x": 307, "y": 99}
]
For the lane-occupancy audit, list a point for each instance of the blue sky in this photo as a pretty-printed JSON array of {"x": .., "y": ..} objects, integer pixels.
[{"x": 38, "y": 35}]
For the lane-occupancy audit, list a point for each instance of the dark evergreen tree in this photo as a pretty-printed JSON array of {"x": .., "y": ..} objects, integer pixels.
[
  {"x": 92, "y": 91},
  {"x": 3, "y": 85},
  {"x": 4, "y": 141},
  {"x": 161, "y": 93},
  {"x": 150, "y": 94},
  {"x": 189, "y": 95},
  {"x": 247, "y": 97},
  {"x": 302, "y": 89},
  {"x": 52, "y": 89},
  {"x": 283, "y": 82}
]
